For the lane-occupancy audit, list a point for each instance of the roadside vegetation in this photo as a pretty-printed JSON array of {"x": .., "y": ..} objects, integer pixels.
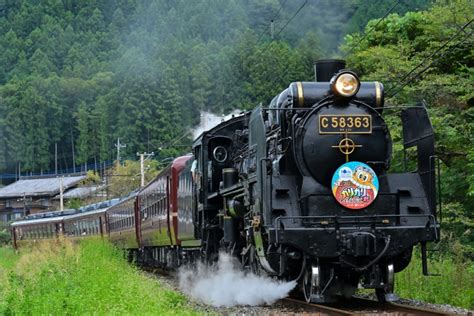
[
  {"x": 90, "y": 278},
  {"x": 453, "y": 285},
  {"x": 4, "y": 234}
]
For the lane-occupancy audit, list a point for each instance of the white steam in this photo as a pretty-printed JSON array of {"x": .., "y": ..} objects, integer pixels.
[
  {"x": 210, "y": 120},
  {"x": 225, "y": 284}
]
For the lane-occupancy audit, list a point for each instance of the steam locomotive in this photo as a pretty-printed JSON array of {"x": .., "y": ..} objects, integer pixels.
[
  {"x": 298, "y": 190},
  {"x": 301, "y": 189}
]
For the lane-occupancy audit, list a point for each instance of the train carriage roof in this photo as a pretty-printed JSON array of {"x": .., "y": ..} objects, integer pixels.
[
  {"x": 86, "y": 214},
  {"x": 123, "y": 200},
  {"x": 48, "y": 220}
]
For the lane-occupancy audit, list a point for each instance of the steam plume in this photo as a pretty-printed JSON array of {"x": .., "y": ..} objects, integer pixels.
[
  {"x": 210, "y": 120},
  {"x": 227, "y": 285}
]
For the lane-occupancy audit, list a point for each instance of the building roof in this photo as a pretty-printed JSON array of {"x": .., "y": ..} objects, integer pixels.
[
  {"x": 38, "y": 187},
  {"x": 79, "y": 193}
]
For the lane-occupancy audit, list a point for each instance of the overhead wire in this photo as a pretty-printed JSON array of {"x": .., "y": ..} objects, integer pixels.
[
  {"x": 373, "y": 27},
  {"x": 422, "y": 71},
  {"x": 294, "y": 15},
  {"x": 249, "y": 50},
  {"x": 287, "y": 23},
  {"x": 434, "y": 53},
  {"x": 401, "y": 84},
  {"x": 272, "y": 20}
]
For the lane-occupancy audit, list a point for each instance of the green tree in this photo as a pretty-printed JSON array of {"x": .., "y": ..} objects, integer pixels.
[
  {"x": 84, "y": 138},
  {"x": 396, "y": 52}
]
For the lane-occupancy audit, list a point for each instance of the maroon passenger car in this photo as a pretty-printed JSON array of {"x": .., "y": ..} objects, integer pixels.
[{"x": 163, "y": 217}]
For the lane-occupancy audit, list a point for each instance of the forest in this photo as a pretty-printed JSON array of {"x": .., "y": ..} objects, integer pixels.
[
  {"x": 80, "y": 74},
  {"x": 77, "y": 75}
]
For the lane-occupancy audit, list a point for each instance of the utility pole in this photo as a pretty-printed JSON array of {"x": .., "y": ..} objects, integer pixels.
[
  {"x": 61, "y": 189},
  {"x": 118, "y": 146},
  {"x": 272, "y": 30},
  {"x": 106, "y": 177},
  {"x": 56, "y": 158},
  {"x": 24, "y": 204},
  {"x": 106, "y": 184},
  {"x": 142, "y": 165},
  {"x": 73, "y": 153}
]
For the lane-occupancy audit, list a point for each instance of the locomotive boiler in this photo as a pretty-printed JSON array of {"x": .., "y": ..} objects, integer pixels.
[{"x": 301, "y": 189}]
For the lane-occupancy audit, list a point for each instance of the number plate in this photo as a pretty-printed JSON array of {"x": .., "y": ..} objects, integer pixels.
[{"x": 345, "y": 124}]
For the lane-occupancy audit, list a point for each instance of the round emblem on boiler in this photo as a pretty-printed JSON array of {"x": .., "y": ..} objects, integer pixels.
[{"x": 355, "y": 185}]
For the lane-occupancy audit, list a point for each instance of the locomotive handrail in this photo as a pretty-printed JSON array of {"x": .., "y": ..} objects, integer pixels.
[
  {"x": 287, "y": 109},
  {"x": 336, "y": 219}
]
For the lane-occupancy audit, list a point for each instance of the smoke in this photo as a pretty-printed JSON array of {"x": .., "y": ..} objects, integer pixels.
[
  {"x": 225, "y": 284},
  {"x": 210, "y": 120}
]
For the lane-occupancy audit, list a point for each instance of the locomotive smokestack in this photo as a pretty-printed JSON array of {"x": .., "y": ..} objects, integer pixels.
[{"x": 325, "y": 69}]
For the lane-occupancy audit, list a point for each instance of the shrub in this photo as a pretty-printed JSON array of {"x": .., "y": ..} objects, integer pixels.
[{"x": 5, "y": 237}]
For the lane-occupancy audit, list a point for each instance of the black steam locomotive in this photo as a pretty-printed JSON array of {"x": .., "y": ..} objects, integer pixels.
[{"x": 300, "y": 189}]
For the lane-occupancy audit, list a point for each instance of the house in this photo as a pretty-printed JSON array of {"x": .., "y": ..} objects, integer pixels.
[
  {"x": 87, "y": 194},
  {"x": 33, "y": 195}
]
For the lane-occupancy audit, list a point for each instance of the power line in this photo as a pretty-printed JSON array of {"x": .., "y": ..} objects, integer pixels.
[
  {"x": 429, "y": 65},
  {"x": 400, "y": 85},
  {"x": 373, "y": 27},
  {"x": 279, "y": 10},
  {"x": 173, "y": 142},
  {"x": 432, "y": 55},
  {"x": 272, "y": 20},
  {"x": 288, "y": 22},
  {"x": 291, "y": 19}
]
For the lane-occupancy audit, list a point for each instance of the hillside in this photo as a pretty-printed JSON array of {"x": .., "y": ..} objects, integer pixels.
[{"x": 80, "y": 74}]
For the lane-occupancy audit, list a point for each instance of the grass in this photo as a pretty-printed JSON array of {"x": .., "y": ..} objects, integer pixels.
[
  {"x": 93, "y": 278},
  {"x": 454, "y": 286},
  {"x": 8, "y": 258},
  {"x": 89, "y": 278}
]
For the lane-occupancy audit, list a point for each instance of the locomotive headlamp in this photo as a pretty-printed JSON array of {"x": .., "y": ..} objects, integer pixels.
[{"x": 345, "y": 84}]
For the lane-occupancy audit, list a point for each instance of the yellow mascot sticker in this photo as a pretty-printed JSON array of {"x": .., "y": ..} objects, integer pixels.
[{"x": 355, "y": 185}]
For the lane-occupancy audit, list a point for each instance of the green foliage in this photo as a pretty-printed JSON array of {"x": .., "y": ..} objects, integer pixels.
[
  {"x": 91, "y": 178},
  {"x": 454, "y": 286},
  {"x": 8, "y": 259},
  {"x": 81, "y": 279},
  {"x": 73, "y": 204},
  {"x": 396, "y": 46},
  {"x": 5, "y": 236},
  {"x": 125, "y": 178}
]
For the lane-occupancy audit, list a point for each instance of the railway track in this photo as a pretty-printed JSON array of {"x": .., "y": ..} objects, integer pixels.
[
  {"x": 359, "y": 306},
  {"x": 295, "y": 305}
]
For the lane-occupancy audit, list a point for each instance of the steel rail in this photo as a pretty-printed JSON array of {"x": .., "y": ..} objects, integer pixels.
[{"x": 360, "y": 306}]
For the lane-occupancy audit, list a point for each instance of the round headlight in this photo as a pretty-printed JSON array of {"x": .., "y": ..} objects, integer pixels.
[
  {"x": 345, "y": 84},
  {"x": 220, "y": 154}
]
